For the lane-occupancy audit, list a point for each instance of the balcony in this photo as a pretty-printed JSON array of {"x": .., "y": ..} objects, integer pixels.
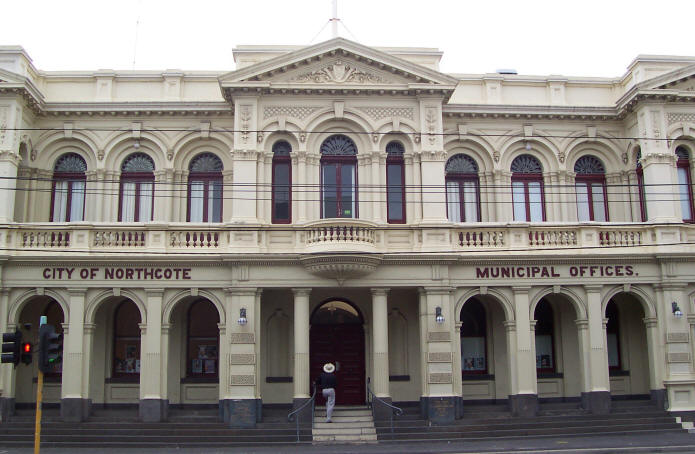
[{"x": 342, "y": 236}]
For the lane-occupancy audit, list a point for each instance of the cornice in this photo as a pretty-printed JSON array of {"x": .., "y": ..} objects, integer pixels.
[
  {"x": 120, "y": 109},
  {"x": 527, "y": 112}
]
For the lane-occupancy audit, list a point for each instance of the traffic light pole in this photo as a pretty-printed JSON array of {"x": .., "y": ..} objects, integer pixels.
[{"x": 37, "y": 427}]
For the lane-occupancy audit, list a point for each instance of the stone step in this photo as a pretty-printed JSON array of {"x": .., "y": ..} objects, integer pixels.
[
  {"x": 349, "y": 414},
  {"x": 341, "y": 418},
  {"x": 344, "y": 431},
  {"x": 345, "y": 438},
  {"x": 344, "y": 424}
]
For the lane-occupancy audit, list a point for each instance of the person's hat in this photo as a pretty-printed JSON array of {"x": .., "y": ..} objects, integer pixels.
[{"x": 328, "y": 368}]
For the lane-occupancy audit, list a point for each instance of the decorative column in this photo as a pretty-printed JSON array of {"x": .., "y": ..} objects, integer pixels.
[
  {"x": 584, "y": 347},
  {"x": 245, "y": 159},
  {"x": 433, "y": 159},
  {"x": 597, "y": 396},
  {"x": 378, "y": 195},
  {"x": 10, "y": 117},
  {"x": 74, "y": 406},
  {"x": 656, "y": 385},
  {"x": 163, "y": 375},
  {"x": 380, "y": 352},
  {"x": 7, "y": 376},
  {"x": 87, "y": 349},
  {"x": 299, "y": 186},
  {"x": 504, "y": 210},
  {"x": 153, "y": 406},
  {"x": 417, "y": 189},
  {"x": 301, "y": 347},
  {"x": 241, "y": 407},
  {"x": 422, "y": 314},
  {"x": 678, "y": 371},
  {"x": 510, "y": 332},
  {"x": 456, "y": 367},
  {"x": 525, "y": 400},
  {"x": 440, "y": 403}
]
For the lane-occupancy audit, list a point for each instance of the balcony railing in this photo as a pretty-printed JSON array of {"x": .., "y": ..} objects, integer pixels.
[{"x": 335, "y": 235}]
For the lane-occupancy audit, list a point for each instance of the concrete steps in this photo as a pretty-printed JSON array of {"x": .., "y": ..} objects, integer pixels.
[{"x": 350, "y": 425}]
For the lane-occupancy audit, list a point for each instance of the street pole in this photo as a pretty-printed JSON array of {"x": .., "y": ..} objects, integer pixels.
[{"x": 39, "y": 399}]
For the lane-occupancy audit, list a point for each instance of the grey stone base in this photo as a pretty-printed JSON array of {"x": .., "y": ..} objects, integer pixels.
[
  {"x": 242, "y": 413},
  {"x": 459, "y": 407},
  {"x": 75, "y": 410},
  {"x": 597, "y": 402},
  {"x": 382, "y": 412},
  {"x": 6, "y": 407},
  {"x": 439, "y": 410},
  {"x": 153, "y": 410},
  {"x": 524, "y": 405},
  {"x": 303, "y": 415},
  {"x": 659, "y": 397}
]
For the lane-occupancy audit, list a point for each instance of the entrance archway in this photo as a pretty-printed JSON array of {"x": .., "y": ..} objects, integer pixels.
[{"x": 337, "y": 336}]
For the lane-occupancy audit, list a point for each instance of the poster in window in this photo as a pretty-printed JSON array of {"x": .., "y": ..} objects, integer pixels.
[
  {"x": 197, "y": 366},
  {"x": 473, "y": 354},
  {"x": 544, "y": 352},
  {"x": 128, "y": 365},
  {"x": 209, "y": 366}
]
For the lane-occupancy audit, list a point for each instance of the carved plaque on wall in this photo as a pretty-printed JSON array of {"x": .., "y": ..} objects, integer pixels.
[
  {"x": 439, "y": 357},
  {"x": 241, "y": 338},
  {"x": 677, "y": 337},
  {"x": 439, "y": 336},
  {"x": 242, "y": 358},
  {"x": 242, "y": 380},
  {"x": 440, "y": 377},
  {"x": 679, "y": 357}
]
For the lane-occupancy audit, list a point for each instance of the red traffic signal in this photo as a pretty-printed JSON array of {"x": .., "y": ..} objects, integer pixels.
[{"x": 26, "y": 352}]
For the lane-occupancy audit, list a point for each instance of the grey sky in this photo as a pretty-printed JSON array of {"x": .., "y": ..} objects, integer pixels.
[{"x": 578, "y": 38}]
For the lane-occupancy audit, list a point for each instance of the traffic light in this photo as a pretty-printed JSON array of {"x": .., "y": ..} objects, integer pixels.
[
  {"x": 11, "y": 347},
  {"x": 50, "y": 348},
  {"x": 26, "y": 353}
]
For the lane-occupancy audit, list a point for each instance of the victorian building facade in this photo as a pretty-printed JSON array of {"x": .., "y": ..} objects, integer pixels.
[{"x": 208, "y": 238}]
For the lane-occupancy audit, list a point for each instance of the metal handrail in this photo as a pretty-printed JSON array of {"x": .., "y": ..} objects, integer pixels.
[
  {"x": 394, "y": 410},
  {"x": 294, "y": 414}
]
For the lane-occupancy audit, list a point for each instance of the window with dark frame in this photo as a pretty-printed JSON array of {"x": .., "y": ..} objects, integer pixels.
[
  {"x": 545, "y": 327},
  {"x": 68, "y": 194},
  {"x": 473, "y": 339},
  {"x": 685, "y": 189},
  {"x": 395, "y": 183},
  {"x": 137, "y": 189},
  {"x": 126, "y": 341},
  {"x": 339, "y": 177},
  {"x": 590, "y": 188},
  {"x": 527, "y": 189},
  {"x": 640, "y": 186},
  {"x": 205, "y": 189},
  {"x": 203, "y": 344},
  {"x": 613, "y": 336},
  {"x": 462, "y": 189},
  {"x": 282, "y": 183}
]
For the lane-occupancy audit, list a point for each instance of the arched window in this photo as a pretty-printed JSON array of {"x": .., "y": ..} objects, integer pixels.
[
  {"x": 685, "y": 192},
  {"x": 462, "y": 189},
  {"x": 137, "y": 189},
  {"x": 395, "y": 183},
  {"x": 54, "y": 316},
  {"x": 545, "y": 352},
  {"x": 282, "y": 183},
  {"x": 68, "y": 188},
  {"x": 590, "y": 186},
  {"x": 338, "y": 177},
  {"x": 527, "y": 189},
  {"x": 205, "y": 189},
  {"x": 126, "y": 340},
  {"x": 613, "y": 336},
  {"x": 203, "y": 340},
  {"x": 640, "y": 186},
  {"x": 473, "y": 338}
]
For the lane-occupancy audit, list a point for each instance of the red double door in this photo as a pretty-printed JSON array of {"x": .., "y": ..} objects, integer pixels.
[{"x": 342, "y": 345}]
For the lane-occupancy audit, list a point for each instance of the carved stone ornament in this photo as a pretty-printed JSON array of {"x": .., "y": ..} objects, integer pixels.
[
  {"x": 339, "y": 72},
  {"x": 625, "y": 158},
  {"x": 341, "y": 267}
]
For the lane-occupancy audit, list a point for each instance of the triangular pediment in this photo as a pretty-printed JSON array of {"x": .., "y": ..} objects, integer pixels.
[
  {"x": 681, "y": 79},
  {"x": 7, "y": 77},
  {"x": 339, "y": 64}
]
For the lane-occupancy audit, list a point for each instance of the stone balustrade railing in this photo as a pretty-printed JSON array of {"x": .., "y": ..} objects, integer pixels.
[{"x": 333, "y": 235}]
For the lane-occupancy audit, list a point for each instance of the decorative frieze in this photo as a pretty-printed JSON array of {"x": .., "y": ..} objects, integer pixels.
[
  {"x": 242, "y": 380},
  {"x": 440, "y": 378},
  {"x": 340, "y": 72},
  {"x": 241, "y": 338},
  {"x": 679, "y": 357},
  {"x": 439, "y": 357},
  {"x": 299, "y": 112},
  {"x": 680, "y": 117},
  {"x": 377, "y": 113},
  {"x": 242, "y": 358}
]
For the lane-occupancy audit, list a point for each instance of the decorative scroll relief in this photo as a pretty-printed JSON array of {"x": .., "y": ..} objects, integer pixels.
[
  {"x": 245, "y": 117},
  {"x": 679, "y": 357},
  {"x": 439, "y": 357},
  {"x": 299, "y": 112},
  {"x": 377, "y": 113},
  {"x": 673, "y": 338},
  {"x": 340, "y": 72},
  {"x": 444, "y": 377},
  {"x": 242, "y": 380},
  {"x": 440, "y": 336},
  {"x": 242, "y": 358},
  {"x": 3, "y": 124},
  {"x": 680, "y": 117},
  {"x": 242, "y": 338}
]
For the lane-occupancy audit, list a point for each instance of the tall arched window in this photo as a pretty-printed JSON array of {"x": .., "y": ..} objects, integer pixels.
[
  {"x": 205, "y": 189},
  {"x": 685, "y": 190},
  {"x": 54, "y": 316},
  {"x": 640, "y": 186},
  {"x": 282, "y": 183},
  {"x": 338, "y": 177},
  {"x": 68, "y": 188},
  {"x": 590, "y": 185},
  {"x": 203, "y": 340},
  {"x": 527, "y": 189},
  {"x": 545, "y": 351},
  {"x": 137, "y": 189},
  {"x": 613, "y": 336},
  {"x": 395, "y": 183},
  {"x": 126, "y": 340},
  {"x": 473, "y": 338},
  {"x": 462, "y": 189}
]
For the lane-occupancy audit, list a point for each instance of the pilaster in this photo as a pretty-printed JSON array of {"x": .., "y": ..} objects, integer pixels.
[
  {"x": 152, "y": 403},
  {"x": 73, "y": 402},
  {"x": 525, "y": 400}
]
